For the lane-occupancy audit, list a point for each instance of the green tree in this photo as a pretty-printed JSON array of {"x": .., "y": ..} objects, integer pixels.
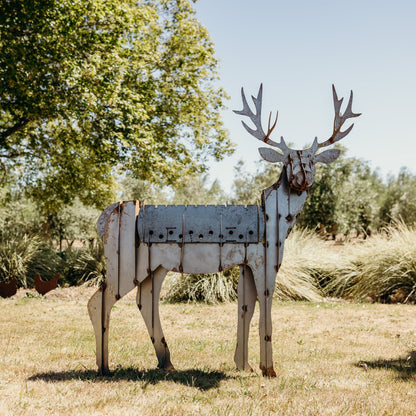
[
  {"x": 87, "y": 86},
  {"x": 345, "y": 195},
  {"x": 247, "y": 187},
  {"x": 144, "y": 191},
  {"x": 193, "y": 189},
  {"x": 74, "y": 222},
  {"x": 359, "y": 198},
  {"x": 399, "y": 199}
]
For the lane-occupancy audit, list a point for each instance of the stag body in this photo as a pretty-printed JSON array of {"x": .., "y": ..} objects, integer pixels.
[{"x": 135, "y": 258}]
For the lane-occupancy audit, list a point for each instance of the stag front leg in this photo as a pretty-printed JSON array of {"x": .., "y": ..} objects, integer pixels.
[
  {"x": 265, "y": 291},
  {"x": 247, "y": 296},
  {"x": 148, "y": 302}
]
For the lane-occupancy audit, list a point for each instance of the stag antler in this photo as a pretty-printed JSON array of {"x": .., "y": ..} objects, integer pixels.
[
  {"x": 258, "y": 133},
  {"x": 340, "y": 119}
]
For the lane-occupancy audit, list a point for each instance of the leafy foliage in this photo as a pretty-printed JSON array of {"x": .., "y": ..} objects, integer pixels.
[
  {"x": 192, "y": 190},
  {"x": 399, "y": 199},
  {"x": 73, "y": 222},
  {"x": 89, "y": 85},
  {"x": 346, "y": 194},
  {"x": 247, "y": 187}
]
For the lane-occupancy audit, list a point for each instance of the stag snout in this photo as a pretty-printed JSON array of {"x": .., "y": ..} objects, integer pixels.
[{"x": 300, "y": 171}]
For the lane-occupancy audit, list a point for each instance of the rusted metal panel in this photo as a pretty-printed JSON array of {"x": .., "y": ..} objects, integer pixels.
[{"x": 200, "y": 224}]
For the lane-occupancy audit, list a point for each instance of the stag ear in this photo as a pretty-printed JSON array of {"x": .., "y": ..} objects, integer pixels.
[
  {"x": 271, "y": 155},
  {"x": 327, "y": 156}
]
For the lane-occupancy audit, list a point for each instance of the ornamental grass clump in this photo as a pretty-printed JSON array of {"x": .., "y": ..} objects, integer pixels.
[
  {"x": 208, "y": 288},
  {"x": 23, "y": 255},
  {"x": 383, "y": 268},
  {"x": 87, "y": 265},
  {"x": 308, "y": 264}
]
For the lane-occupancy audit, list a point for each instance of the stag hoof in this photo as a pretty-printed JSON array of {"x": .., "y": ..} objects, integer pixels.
[
  {"x": 248, "y": 369},
  {"x": 166, "y": 365},
  {"x": 104, "y": 372},
  {"x": 268, "y": 372},
  {"x": 169, "y": 367}
]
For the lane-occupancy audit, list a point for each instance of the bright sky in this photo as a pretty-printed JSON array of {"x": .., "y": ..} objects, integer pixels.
[{"x": 298, "y": 49}]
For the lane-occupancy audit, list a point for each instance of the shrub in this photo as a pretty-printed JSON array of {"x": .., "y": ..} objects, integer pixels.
[
  {"x": 22, "y": 256},
  {"x": 86, "y": 265}
]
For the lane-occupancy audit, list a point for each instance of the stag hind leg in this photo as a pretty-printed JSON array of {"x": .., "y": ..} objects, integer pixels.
[
  {"x": 247, "y": 296},
  {"x": 119, "y": 235},
  {"x": 148, "y": 302},
  {"x": 99, "y": 309}
]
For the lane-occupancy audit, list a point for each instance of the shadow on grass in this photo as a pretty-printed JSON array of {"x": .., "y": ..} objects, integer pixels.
[
  {"x": 404, "y": 367},
  {"x": 203, "y": 380}
]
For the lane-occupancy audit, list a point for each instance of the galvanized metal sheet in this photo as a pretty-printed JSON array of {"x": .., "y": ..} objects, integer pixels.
[{"x": 200, "y": 224}]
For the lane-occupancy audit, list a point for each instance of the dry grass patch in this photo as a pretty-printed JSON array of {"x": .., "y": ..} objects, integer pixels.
[{"x": 331, "y": 358}]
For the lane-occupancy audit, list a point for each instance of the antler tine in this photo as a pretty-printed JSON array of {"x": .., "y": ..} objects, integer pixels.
[
  {"x": 340, "y": 119},
  {"x": 258, "y": 133}
]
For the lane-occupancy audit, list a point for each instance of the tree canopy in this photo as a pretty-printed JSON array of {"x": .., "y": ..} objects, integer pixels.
[{"x": 89, "y": 86}]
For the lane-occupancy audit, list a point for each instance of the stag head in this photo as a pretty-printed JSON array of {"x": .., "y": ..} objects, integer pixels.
[{"x": 299, "y": 165}]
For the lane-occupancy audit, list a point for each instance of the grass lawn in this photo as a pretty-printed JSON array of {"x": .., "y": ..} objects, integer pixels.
[{"x": 331, "y": 358}]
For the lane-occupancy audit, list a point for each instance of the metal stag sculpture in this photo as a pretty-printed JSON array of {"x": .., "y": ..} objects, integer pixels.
[{"x": 143, "y": 242}]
